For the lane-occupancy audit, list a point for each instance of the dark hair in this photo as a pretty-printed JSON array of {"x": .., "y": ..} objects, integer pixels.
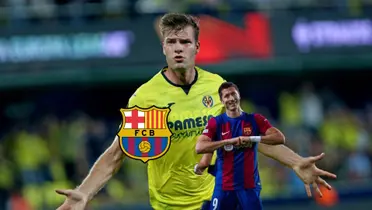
[
  {"x": 226, "y": 85},
  {"x": 176, "y": 22}
]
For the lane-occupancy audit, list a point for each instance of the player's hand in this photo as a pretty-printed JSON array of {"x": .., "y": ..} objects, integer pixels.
[
  {"x": 307, "y": 171},
  {"x": 235, "y": 141},
  {"x": 198, "y": 170},
  {"x": 75, "y": 200},
  {"x": 245, "y": 139}
]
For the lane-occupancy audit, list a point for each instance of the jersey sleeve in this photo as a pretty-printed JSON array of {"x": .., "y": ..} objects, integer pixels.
[
  {"x": 220, "y": 79},
  {"x": 136, "y": 100},
  {"x": 262, "y": 122},
  {"x": 211, "y": 129}
]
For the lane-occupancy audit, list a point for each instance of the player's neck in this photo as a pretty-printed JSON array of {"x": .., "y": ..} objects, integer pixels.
[
  {"x": 234, "y": 113},
  {"x": 181, "y": 78}
]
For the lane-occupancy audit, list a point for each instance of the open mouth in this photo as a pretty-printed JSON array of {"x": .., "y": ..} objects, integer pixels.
[{"x": 178, "y": 58}]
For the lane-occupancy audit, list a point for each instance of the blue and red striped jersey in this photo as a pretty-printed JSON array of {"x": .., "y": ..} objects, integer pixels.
[{"x": 237, "y": 168}]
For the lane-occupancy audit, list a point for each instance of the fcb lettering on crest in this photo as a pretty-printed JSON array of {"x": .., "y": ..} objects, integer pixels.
[{"x": 144, "y": 134}]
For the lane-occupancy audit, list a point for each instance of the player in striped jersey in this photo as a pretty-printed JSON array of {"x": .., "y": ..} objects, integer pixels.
[{"x": 235, "y": 135}]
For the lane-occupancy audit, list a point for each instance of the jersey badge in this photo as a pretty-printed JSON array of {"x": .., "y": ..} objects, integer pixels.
[
  {"x": 144, "y": 134},
  {"x": 247, "y": 131},
  {"x": 207, "y": 101}
]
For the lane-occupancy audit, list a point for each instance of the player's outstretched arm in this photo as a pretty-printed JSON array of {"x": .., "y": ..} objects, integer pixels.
[
  {"x": 281, "y": 153},
  {"x": 206, "y": 145},
  {"x": 103, "y": 169},
  {"x": 305, "y": 168},
  {"x": 204, "y": 163}
]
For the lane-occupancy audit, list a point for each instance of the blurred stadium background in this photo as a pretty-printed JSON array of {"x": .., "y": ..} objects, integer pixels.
[{"x": 68, "y": 66}]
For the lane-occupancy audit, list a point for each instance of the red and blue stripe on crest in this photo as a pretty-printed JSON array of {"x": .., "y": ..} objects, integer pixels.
[{"x": 158, "y": 145}]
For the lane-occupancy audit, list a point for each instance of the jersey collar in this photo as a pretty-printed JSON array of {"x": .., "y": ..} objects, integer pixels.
[{"x": 176, "y": 85}]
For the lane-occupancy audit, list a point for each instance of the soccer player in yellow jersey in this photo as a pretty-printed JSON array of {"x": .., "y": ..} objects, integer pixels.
[{"x": 192, "y": 94}]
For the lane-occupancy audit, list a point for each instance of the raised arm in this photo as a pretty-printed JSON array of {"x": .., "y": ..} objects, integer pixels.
[{"x": 102, "y": 171}]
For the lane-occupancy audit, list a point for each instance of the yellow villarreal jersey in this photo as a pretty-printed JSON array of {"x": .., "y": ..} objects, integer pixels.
[{"x": 172, "y": 182}]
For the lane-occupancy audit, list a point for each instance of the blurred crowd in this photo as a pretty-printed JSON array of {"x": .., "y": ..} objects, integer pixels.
[
  {"x": 16, "y": 11},
  {"x": 47, "y": 153},
  {"x": 43, "y": 153},
  {"x": 315, "y": 122}
]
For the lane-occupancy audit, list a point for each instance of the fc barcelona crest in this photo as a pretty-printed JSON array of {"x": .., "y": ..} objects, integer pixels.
[
  {"x": 247, "y": 131},
  {"x": 144, "y": 134}
]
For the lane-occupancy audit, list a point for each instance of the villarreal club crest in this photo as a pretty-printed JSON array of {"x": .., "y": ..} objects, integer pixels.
[{"x": 207, "y": 101}]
